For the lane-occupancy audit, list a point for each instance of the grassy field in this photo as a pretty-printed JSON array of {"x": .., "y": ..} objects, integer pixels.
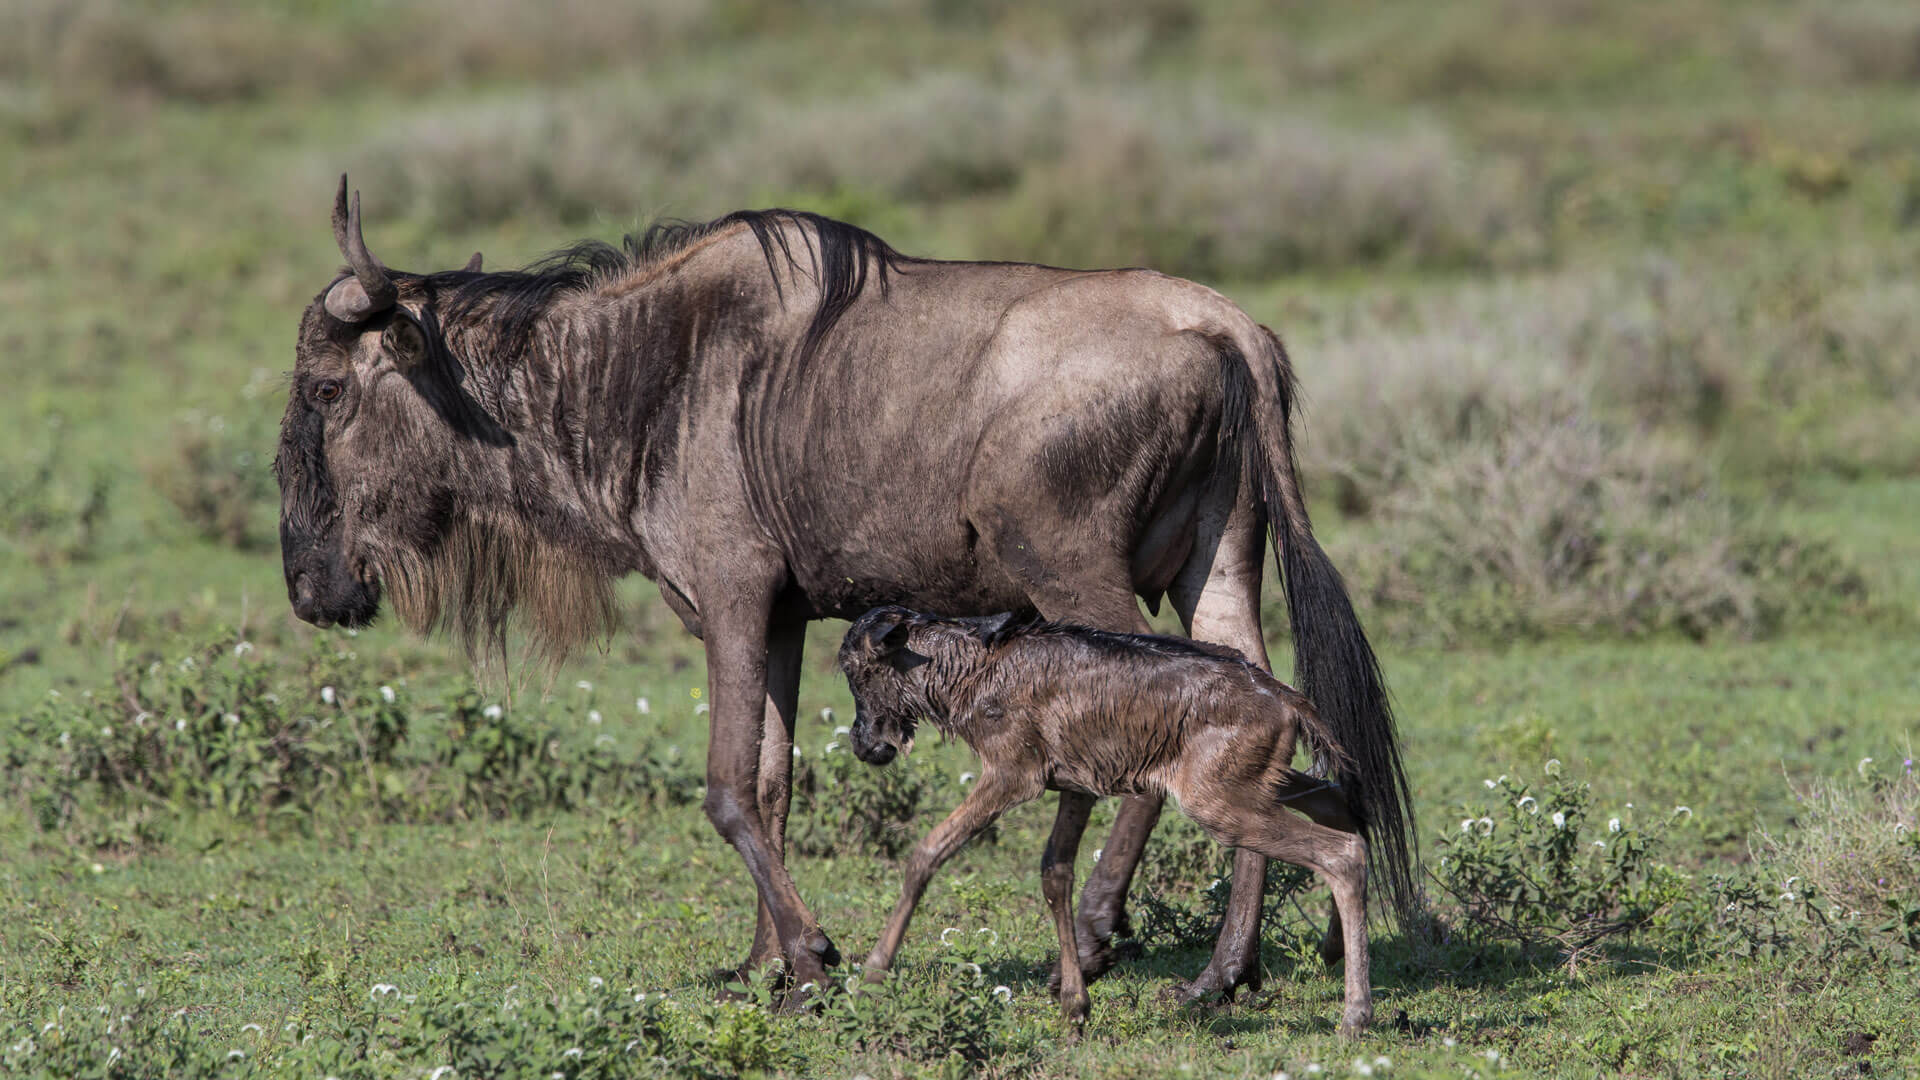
[{"x": 1609, "y": 320}]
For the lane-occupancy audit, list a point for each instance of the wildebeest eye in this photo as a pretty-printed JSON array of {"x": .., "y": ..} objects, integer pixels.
[{"x": 326, "y": 390}]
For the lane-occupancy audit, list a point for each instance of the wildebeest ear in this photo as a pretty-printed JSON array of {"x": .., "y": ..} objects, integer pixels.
[
  {"x": 473, "y": 264},
  {"x": 405, "y": 340}
]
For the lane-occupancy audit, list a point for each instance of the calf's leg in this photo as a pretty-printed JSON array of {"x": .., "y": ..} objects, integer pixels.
[
  {"x": 992, "y": 795},
  {"x": 1056, "y": 881},
  {"x": 1338, "y": 855}
]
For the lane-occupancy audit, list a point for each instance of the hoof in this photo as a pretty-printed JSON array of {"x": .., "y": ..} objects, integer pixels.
[
  {"x": 1094, "y": 962},
  {"x": 1211, "y": 987}
]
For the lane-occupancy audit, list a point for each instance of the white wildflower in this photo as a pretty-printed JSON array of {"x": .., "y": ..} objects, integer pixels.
[
  {"x": 387, "y": 695},
  {"x": 988, "y": 930},
  {"x": 1466, "y": 825},
  {"x": 231, "y": 719},
  {"x": 1486, "y": 826},
  {"x": 231, "y": 1054},
  {"x": 701, "y": 708},
  {"x": 66, "y": 738},
  {"x": 831, "y": 747},
  {"x": 1553, "y": 767},
  {"x": 326, "y": 694},
  {"x": 1861, "y": 768},
  {"x": 842, "y": 730},
  {"x": 492, "y": 712},
  {"x": 642, "y": 705},
  {"x": 1489, "y": 784},
  {"x": 243, "y": 648},
  {"x": 439, "y": 1072},
  {"x": 944, "y": 940},
  {"x": 1601, "y": 844},
  {"x": 1362, "y": 1067},
  {"x": 180, "y": 725},
  {"x": 584, "y": 685},
  {"x": 1559, "y": 820},
  {"x": 383, "y": 990},
  {"x": 106, "y": 732},
  {"x": 1004, "y": 993},
  {"x": 826, "y": 715},
  {"x": 1097, "y": 852},
  {"x": 966, "y": 778},
  {"x": 1613, "y": 824},
  {"x": 1683, "y": 811},
  {"x": 1526, "y": 803},
  {"x": 593, "y": 716},
  {"x": 1383, "y": 1062},
  {"x": 571, "y": 1051},
  {"x": 1449, "y": 1042}
]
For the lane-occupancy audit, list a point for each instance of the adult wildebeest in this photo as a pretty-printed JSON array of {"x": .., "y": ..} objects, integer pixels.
[
  {"x": 1086, "y": 712},
  {"x": 778, "y": 418}
]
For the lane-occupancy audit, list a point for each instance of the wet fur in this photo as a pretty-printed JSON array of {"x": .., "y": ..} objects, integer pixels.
[{"x": 1085, "y": 712}]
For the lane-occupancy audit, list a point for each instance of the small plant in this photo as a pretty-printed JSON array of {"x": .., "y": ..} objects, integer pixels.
[
  {"x": 1527, "y": 870},
  {"x": 50, "y": 510}
]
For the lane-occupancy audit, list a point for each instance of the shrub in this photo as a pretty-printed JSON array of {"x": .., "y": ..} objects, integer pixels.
[
  {"x": 1557, "y": 522},
  {"x": 218, "y": 729},
  {"x": 1855, "y": 843},
  {"x": 1526, "y": 870}
]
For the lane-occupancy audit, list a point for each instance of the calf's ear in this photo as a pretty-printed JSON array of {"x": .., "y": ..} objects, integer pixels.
[{"x": 990, "y": 629}]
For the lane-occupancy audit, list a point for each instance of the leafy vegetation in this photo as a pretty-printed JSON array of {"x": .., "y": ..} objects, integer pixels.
[{"x": 1607, "y": 320}]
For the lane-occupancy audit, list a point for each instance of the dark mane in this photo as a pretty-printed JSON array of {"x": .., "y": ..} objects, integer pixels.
[{"x": 840, "y": 257}]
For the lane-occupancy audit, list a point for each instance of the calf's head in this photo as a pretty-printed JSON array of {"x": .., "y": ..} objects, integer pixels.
[{"x": 888, "y": 682}]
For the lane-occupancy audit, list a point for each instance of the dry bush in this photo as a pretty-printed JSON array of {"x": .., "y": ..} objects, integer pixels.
[
  {"x": 227, "y": 51},
  {"x": 1862, "y": 43},
  {"x": 1553, "y": 521},
  {"x": 1855, "y": 843},
  {"x": 1543, "y": 464},
  {"x": 1040, "y": 166}
]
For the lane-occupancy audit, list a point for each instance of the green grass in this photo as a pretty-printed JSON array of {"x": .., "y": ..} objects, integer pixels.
[{"x": 1688, "y": 230}]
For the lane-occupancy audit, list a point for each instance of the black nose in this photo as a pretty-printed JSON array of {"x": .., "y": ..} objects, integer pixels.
[
  {"x": 878, "y": 754},
  {"x": 305, "y": 604}
]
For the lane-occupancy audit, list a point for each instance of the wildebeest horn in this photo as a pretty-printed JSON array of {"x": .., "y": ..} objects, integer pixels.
[
  {"x": 369, "y": 290},
  {"x": 473, "y": 264}
]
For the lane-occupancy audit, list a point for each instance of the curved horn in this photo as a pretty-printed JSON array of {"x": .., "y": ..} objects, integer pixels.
[{"x": 369, "y": 290}]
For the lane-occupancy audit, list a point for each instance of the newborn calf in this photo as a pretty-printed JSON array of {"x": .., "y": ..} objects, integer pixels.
[{"x": 1087, "y": 713}]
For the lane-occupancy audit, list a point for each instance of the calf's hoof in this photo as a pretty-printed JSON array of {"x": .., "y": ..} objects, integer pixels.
[{"x": 1074, "y": 1009}]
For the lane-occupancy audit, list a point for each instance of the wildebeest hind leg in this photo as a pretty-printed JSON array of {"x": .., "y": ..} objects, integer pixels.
[
  {"x": 1217, "y": 597},
  {"x": 1056, "y": 879}
]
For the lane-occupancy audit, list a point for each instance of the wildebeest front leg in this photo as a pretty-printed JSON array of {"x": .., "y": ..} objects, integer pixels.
[
  {"x": 786, "y": 639},
  {"x": 992, "y": 795},
  {"x": 1056, "y": 880},
  {"x": 737, "y": 671}
]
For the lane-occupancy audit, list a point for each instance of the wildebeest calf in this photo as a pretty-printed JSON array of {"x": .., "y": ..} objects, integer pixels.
[{"x": 1090, "y": 713}]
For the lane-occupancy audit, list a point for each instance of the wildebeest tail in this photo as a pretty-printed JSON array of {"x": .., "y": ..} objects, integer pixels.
[{"x": 1334, "y": 666}]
